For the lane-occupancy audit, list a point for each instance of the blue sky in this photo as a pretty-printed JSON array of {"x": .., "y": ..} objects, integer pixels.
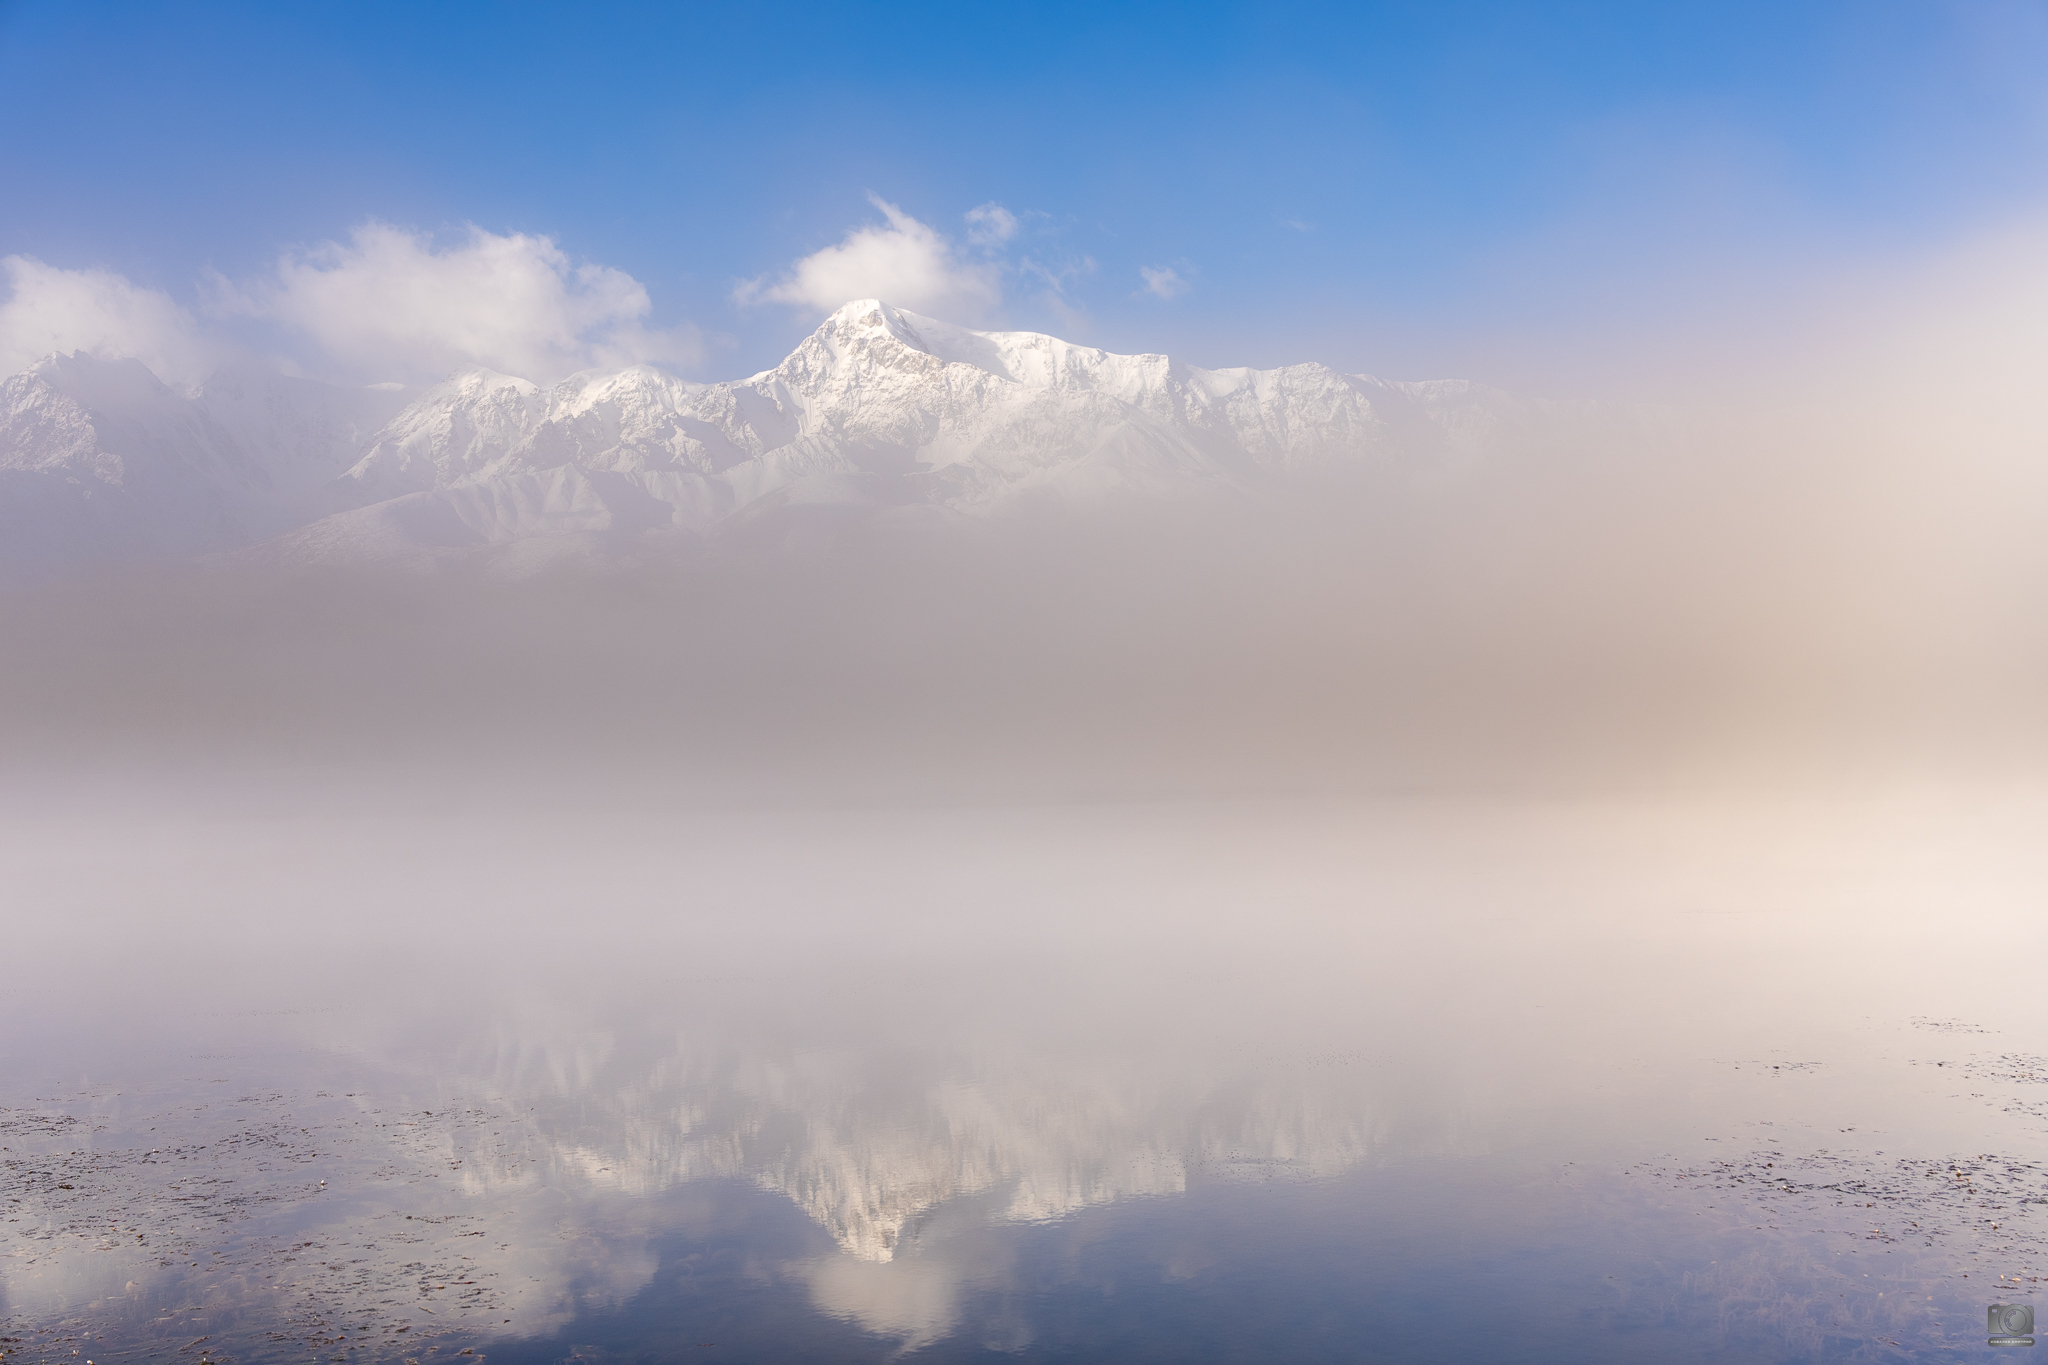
[{"x": 1409, "y": 189}]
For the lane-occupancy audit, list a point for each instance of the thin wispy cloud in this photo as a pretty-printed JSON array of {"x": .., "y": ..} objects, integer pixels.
[
  {"x": 1163, "y": 281},
  {"x": 990, "y": 225},
  {"x": 1059, "y": 277}
]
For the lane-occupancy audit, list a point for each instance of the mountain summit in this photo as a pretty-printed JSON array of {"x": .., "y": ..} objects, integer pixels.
[{"x": 878, "y": 409}]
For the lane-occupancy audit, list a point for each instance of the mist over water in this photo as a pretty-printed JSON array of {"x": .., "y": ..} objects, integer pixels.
[{"x": 516, "y": 1076}]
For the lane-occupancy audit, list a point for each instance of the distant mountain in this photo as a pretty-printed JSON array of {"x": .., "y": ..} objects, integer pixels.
[
  {"x": 101, "y": 463},
  {"x": 879, "y": 411}
]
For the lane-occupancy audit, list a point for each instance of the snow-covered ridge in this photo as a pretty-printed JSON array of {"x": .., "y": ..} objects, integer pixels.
[{"x": 878, "y": 409}]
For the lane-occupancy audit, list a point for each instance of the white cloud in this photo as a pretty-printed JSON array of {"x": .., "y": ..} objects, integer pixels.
[
  {"x": 903, "y": 262},
  {"x": 990, "y": 225},
  {"x": 1164, "y": 281},
  {"x": 389, "y": 305},
  {"x": 96, "y": 311}
]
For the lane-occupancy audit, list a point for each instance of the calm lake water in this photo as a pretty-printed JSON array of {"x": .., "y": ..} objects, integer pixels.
[{"x": 364, "y": 1077}]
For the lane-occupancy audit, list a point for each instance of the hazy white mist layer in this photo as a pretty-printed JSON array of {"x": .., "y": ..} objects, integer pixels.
[{"x": 1392, "y": 638}]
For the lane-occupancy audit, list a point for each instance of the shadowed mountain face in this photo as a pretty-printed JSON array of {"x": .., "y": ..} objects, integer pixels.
[
  {"x": 878, "y": 410},
  {"x": 102, "y": 463},
  {"x": 99, "y": 457}
]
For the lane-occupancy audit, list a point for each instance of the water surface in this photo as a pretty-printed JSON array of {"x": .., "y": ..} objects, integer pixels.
[{"x": 296, "y": 1074}]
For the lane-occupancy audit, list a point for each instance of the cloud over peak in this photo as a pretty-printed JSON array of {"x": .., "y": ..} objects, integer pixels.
[
  {"x": 52, "y": 310},
  {"x": 901, "y": 260}
]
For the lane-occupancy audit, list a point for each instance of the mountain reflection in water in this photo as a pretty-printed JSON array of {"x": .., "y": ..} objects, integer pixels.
[{"x": 1297, "y": 1081}]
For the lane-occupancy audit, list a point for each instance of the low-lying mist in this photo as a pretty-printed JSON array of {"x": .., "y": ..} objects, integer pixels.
[{"x": 1623, "y": 601}]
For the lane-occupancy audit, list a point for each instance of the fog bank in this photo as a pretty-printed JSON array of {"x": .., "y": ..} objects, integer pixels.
[{"x": 1646, "y": 619}]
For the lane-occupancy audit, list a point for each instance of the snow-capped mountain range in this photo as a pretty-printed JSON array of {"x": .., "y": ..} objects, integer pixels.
[{"x": 878, "y": 412}]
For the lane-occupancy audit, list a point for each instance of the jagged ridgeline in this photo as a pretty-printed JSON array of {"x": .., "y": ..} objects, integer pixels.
[{"x": 879, "y": 413}]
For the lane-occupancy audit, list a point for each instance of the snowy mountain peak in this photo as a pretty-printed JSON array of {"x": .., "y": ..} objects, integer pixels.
[
  {"x": 476, "y": 381},
  {"x": 877, "y": 409},
  {"x": 1029, "y": 358},
  {"x": 94, "y": 381},
  {"x": 873, "y": 318}
]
